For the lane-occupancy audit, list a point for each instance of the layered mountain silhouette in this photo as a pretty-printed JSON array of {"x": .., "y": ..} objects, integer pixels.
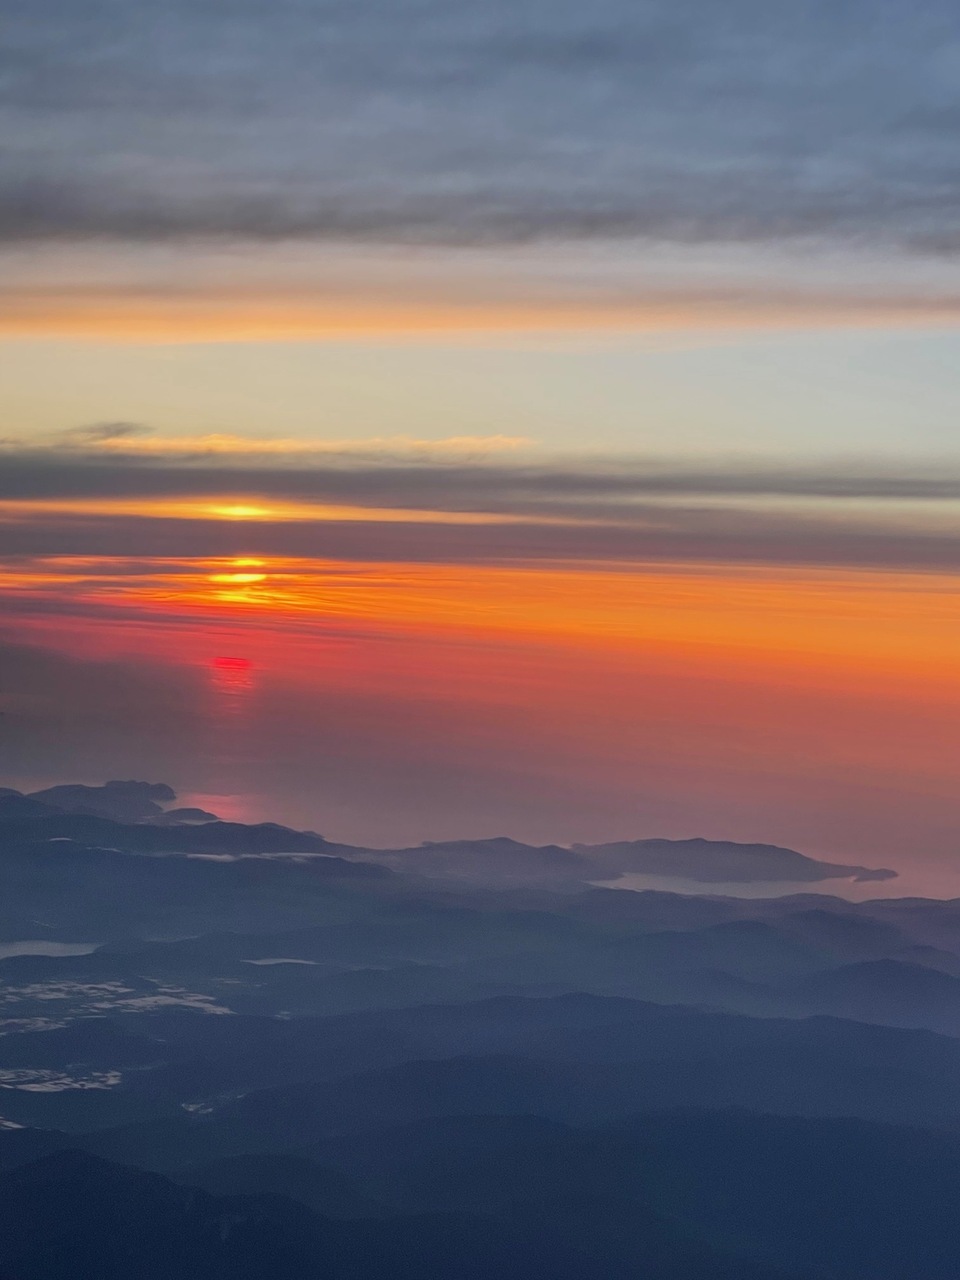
[
  {"x": 234, "y": 1050},
  {"x": 136, "y": 817}
]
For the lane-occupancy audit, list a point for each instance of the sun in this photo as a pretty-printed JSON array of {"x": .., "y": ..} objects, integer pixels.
[{"x": 240, "y": 511}]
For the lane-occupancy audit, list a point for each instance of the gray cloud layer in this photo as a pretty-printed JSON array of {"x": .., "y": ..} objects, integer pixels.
[
  {"x": 625, "y": 513},
  {"x": 455, "y": 123},
  {"x": 513, "y": 488},
  {"x": 678, "y": 536}
]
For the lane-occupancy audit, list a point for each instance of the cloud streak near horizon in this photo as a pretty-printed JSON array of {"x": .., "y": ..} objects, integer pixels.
[
  {"x": 129, "y": 459},
  {"x": 392, "y": 501}
]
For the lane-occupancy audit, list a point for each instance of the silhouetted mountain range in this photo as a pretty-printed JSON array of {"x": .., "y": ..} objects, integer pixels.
[
  {"x": 86, "y": 815},
  {"x": 232, "y": 1050}
]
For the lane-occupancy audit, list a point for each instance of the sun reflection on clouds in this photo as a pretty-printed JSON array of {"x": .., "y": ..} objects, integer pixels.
[
  {"x": 237, "y": 581},
  {"x": 838, "y": 626},
  {"x": 228, "y": 728},
  {"x": 232, "y": 677},
  {"x": 242, "y": 572}
]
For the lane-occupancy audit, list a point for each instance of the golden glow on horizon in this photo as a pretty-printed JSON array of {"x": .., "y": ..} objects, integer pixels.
[
  {"x": 755, "y": 692},
  {"x": 698, "y": 676},
  {"x": 157, "y": 317},
  {"x": 835, "y": 626}
]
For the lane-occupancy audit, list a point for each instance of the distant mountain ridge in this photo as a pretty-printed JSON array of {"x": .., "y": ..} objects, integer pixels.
[
  {"x": 129, "y": 801},
  {"x": 27, "y": 819},
  {"x": 135, "y": 816},
  {"x": 698, "y": 860},
  {"x": 720, "y": 861}
]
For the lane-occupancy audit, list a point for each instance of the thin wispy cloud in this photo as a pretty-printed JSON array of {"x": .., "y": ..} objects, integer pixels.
[{"x": 132, "y": 441}]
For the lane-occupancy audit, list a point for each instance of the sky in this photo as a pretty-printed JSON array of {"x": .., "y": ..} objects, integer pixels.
[{"x": 427, "y": 420}]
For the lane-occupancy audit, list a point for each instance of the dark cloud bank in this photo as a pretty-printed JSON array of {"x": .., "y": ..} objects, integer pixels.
[
  {"x": 449, "y": 123},
  {"x": 76, "y": 472}
]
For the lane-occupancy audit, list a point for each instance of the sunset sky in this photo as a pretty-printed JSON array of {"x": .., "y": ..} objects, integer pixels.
[{"x": 426, "y": 420}]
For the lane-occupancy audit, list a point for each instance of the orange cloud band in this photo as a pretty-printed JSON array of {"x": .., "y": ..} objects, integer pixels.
[
  {"x": 848, "y": 628},
  {"x": 133, "y": 317}
]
